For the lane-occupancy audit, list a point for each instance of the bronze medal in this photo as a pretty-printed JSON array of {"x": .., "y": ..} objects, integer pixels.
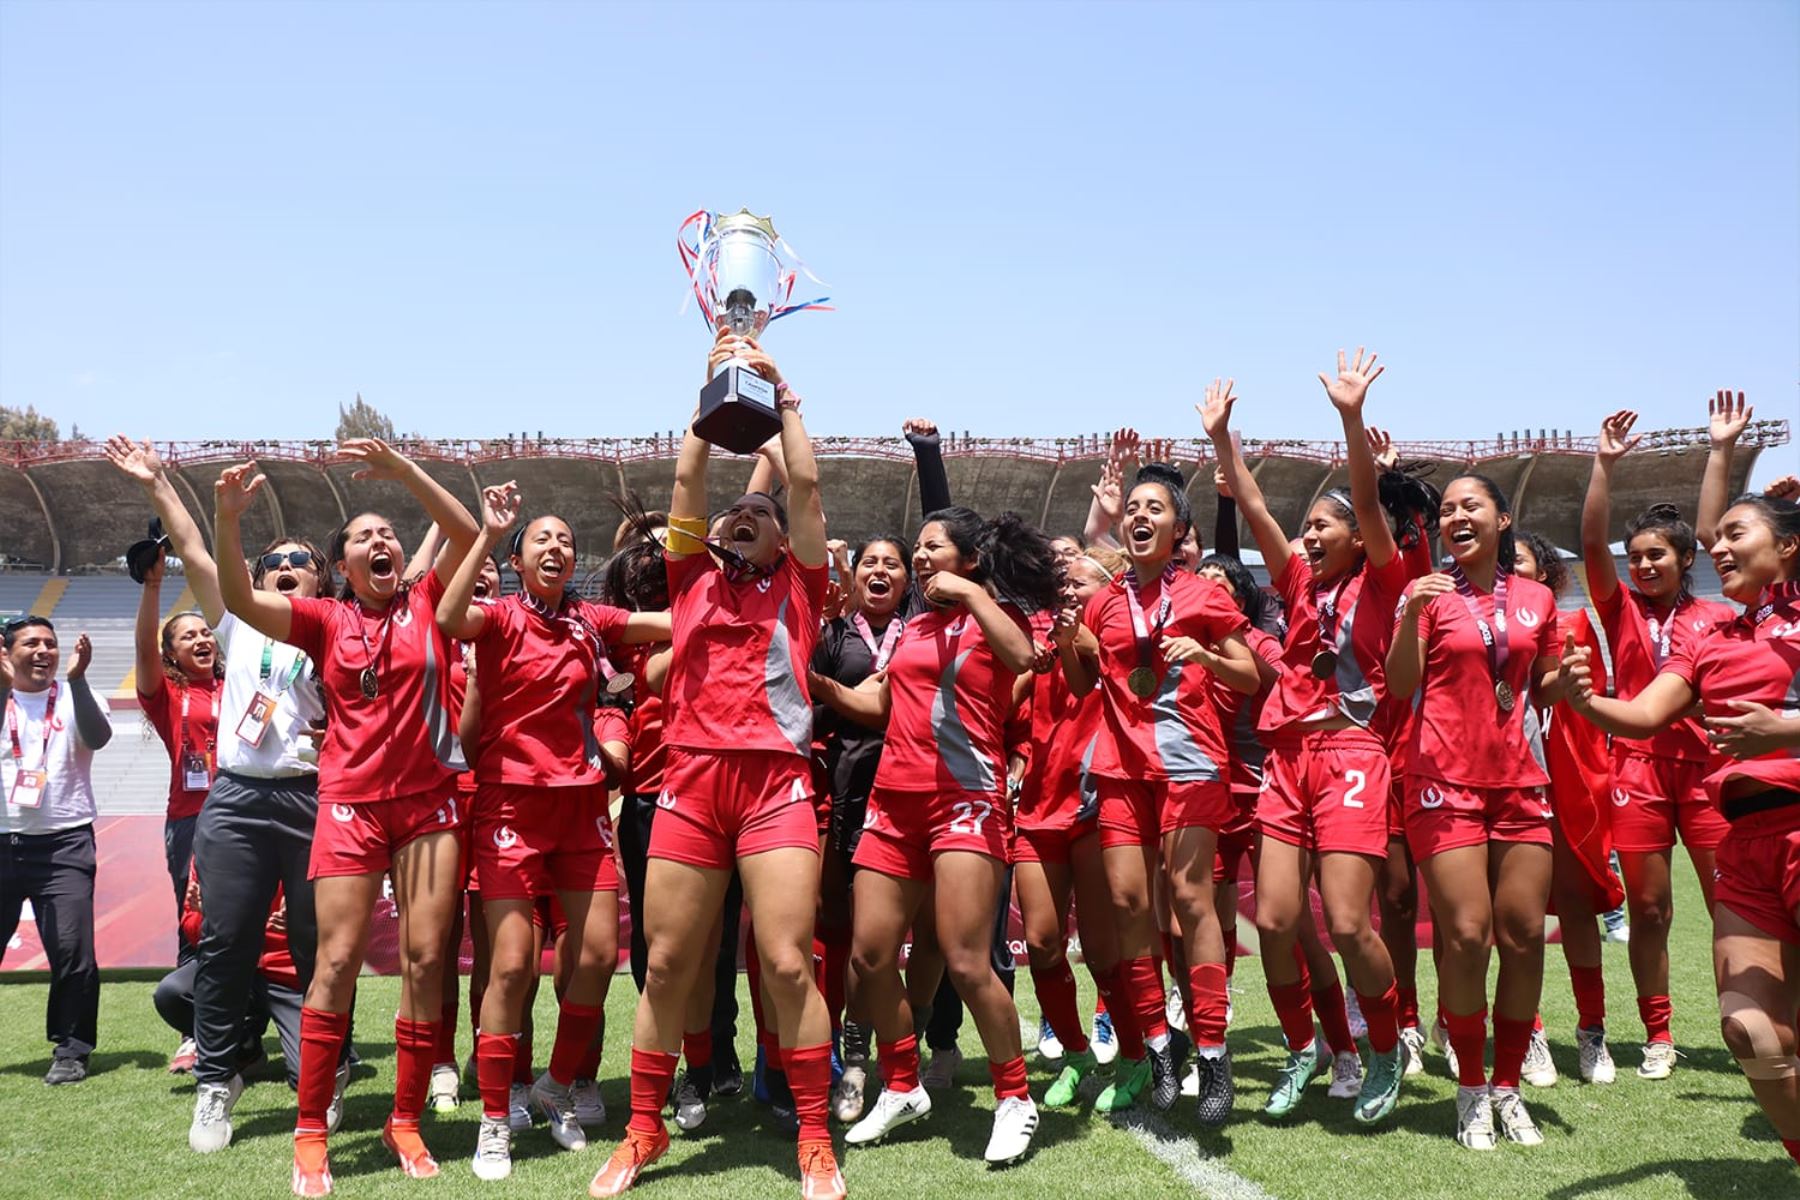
[
  {"x": 1324, "y": 664},
  {"x": 371, "y": 685},
  {"x": 1503, "y": 694},
  {"x": 1142, "y": 683},
  {"x": 621, "y": 683}
]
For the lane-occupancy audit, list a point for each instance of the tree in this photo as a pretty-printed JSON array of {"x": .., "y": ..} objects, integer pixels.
[
  {"x": 363, "y": 420},
  {"x": 25, "y": 425}
]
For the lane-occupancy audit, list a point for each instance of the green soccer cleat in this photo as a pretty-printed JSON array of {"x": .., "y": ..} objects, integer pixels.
[
  {"x": 1301, "y": 1068},
  {"x": 1381, "y": 1086},
  {"x": 1076, "y": 1068},
  {"x": 1129, "y": 1078}
]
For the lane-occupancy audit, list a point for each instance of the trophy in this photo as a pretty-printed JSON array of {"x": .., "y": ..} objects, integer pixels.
[{"x": 740, "y": 283}]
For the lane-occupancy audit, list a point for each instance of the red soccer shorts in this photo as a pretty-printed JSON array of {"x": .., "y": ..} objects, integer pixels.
[
  {"x": 715, "y": 808},
  {"x": 1654, "y": 797},
  {"x": 902, "y": 830},
  {"x": 1243, "y": 811},
  {"x": 1396, "y": 807},
  {"x": 1138, "y": 812},
  {"x": 1327, "y": 792},
  {"x": 1044, "y": 844},
  {"x": 547, "y": 914},
  {"x": 1446, "y": 816},
  {"x": 1234, "y": 847},
  {"x": 359, "y": 839},
  {"x": 1757, "y": 871},
  {"x": 537, "y": 841}
]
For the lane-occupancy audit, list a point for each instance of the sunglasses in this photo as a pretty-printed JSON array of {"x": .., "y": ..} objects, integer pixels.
[{"x": 298, "y": 559}]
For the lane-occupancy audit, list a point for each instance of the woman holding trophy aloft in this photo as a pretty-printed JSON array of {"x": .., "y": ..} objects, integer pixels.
[{"x": 737, "y": 788}]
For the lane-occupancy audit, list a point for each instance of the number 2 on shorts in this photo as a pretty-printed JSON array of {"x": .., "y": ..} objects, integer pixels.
[{"x": 1357, "y": 781}]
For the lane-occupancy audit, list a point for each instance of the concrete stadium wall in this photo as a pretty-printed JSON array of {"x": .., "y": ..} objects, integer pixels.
[{"x": 25, "y": 531}]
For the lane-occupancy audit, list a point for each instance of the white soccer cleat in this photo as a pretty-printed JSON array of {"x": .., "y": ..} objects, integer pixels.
[
  {"x": 1659, "y": 1060},
  {"x": 1015, "y": 1120},
  {"x": 1515, "y": 1119},
  {"x": 518, "y": 1107},
  {"x": 493, "y": 1150},
  {"x": 1049, "y": 1046},
  {"x": 1474, "y": 1118},
  {"x": 442, "y": 1094},
  {"x": 1346, "y": 1076},
  {"x": 1596, "y": 1060},
  {"x": 334, "y": 1112},
  {"x": 1415, "y": 1049},
  {"x": 213, "y": 1102},
  {"x": 847, "y": 1099},
  {"x": 585, "y": 1099},
  {"x": 1101, "y": 1038},
  {"x": 558, "y": 1107},
  {"x": 1359, "y": 1024},
  {"x": 892, "y": 1110},
  {"x": 1539, "y": 1069},
  {"x": 1440, "y": 1037}
]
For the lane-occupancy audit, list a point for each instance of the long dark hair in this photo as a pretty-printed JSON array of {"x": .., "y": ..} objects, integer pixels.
[
  {"x": 1404, "y": 496},
  {"x": 1550, "y": 562},
  {"x": 1252, "y": 601},
  {"x": 1781, "y": 516},
  {"x": 1011, "y": 556},
  {"x": 636, "y": 577},
  {"x": 1664, "y": 521},
  {"x": 1507, "y": 555},
  {"x": 515, "y": 548},
  {"x": 171, "y": 668},
  {"x": 910, "y": 599},
  {"x": 340, "y": 540}
]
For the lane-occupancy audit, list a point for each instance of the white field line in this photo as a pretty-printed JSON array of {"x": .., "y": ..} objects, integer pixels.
[{"x": 1207, "y": 1176}]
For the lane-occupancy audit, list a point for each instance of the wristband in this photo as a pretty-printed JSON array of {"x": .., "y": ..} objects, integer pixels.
[{"x": 786, "y": 397}]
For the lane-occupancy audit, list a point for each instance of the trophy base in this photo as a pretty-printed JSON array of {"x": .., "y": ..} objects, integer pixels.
[{"x": 737, "y": 410}]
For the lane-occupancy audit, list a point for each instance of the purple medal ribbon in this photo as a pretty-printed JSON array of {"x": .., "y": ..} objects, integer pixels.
[
  {"x": 1141, "y": 630},
  {"x": 1659, "y": 634},
  {"x": 1497, "y": 648}
]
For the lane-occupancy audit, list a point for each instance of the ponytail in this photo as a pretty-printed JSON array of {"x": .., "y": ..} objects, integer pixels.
[
  {"x": 1665, "y": 522},
  {"x": 1010, "y": 556}
]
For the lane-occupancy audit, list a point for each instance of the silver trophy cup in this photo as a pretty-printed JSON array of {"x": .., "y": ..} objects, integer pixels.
[{"x": 738, "y": 277}]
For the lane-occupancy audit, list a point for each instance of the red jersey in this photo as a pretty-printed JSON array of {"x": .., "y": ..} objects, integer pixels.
[
  {"x": 1242, "y": 714},
  {"x": 186, "y": 718},
  {"x": 1641, "y": 640},
  {"x": 611, "y": 725},
  {"x": 649, "y": 753},
  {"x": 950, "y": 697},
  {"x": 1461, "y": 735},
  {"x": 1175, "y": 733},
  {"x": 738, "y": 678},
  {"x": 403, "y": 741},
  {"x": 540, "y": 676},
  {"x": 1358, "y": 621},
  {"x": 1747, "y": 658},
  {"x": 1065, "y": 730},
  {"x": 1394, "y": 718}
]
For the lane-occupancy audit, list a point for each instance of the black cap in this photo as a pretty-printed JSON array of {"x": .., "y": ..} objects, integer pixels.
[{"x": 145, "y": 554}]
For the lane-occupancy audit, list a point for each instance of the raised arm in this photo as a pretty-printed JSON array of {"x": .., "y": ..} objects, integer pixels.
[
  {"x": 928, "y": 460},
  {"x": 269, "y": 613},
  {"x": 806, "y": 512},
  {"x": 425, "y": 557},
  {"x": 144, "y": 632},
  {"x": 1661, "y": 702},
  {"x": 770, "y": 471},
  {"x": 457, "y": 613},
  {"x": 1225, "y": 518},
  {"x": 144, "y": 466},
  {"x": 1108, "y": 505},
  {"x": 1726, "y": 421},
  {"x": 687, "y": 505},
  {"x": 1215, "y": 415},
  {"x": 1596, "y": 510},
  {"x": 91, "y": 723},
  {"x": 381, "y": 461},
  {"x": 1347, "y": 393}
]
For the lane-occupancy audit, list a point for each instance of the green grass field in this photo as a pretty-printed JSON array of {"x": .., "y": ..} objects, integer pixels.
[{"x": 123, "y": 1132}]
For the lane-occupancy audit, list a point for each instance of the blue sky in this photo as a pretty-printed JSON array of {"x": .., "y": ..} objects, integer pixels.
[{"x": 224, "y": 219}]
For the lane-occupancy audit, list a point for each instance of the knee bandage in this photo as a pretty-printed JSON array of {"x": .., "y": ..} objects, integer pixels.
[{"x": 1767, "y": 1058}]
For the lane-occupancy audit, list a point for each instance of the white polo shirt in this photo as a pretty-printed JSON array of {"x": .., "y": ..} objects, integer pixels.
[
  {"x": 67, "y": 800},
  {"x": 285, "y": 749}
]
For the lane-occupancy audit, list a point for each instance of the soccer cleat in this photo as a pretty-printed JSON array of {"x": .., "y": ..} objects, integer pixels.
[
  {"x": 518, "y": 1107},
  {"x": 334, "y": 1112},
  {"x": 585, "y": 1100},
  {"x": 940, "y": 1072},
  {"x": 493, "y": 1150},
  {"x": 1440, "y": 1037},
  {"x": 213, "y": 1102},
  {"x": 1515, "y": 1121},
  {"x": 1474, "y": 1118},
  {"x": 1381, "y": 1087},
  {"x": 312, "y": 1168},
  {"x": 847, "y": 1097},
  {"x": 1301, "y": 1068},
  {"x": 1415, "y": 1049},
  {"x": 1214, "y": 1106},
  {"x": 1539, "y": 1069},
  {"x": 689, "y": 1104},
  {"x": 1067, "y": 1086},
  {"x": 66, "y": 1069},
  {"x": 1659, "y": 1060},
  {"x": 1015, "y": 1120},
  {"x": 820, "y": 1178},
  {"x": 1618, "y": 931},
  {"x": 186, "y": 1055},
  {"x": 403, "y": 1140},
  {"x": 553, "y": 1100},
  {"x": 628, "y": 1160},
  {"x": 1174, "y": 1011},
  {"x": 1049, "y": 1046},
  {"x": 728, "y": 1077},
  {"x": 1130, "y": 1078},
  {"x": 1596, "y": 1060},
  {"x": 1346, "y": 1076},
  {"x": 1359, "y": 1024},
  {"x": 892, "y": 1110},
  {"x": 442, "y": 1094},
  {"x": 1105, "y": 1044},
  {"x": 1165, "y": 1071}
]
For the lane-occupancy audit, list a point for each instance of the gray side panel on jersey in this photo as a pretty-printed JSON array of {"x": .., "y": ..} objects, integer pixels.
[
  {"x": 971, "y": 772},
  {"x": 438, "y": 726},
  {"x": 1181, "y": 755},
  {"x": 1356, "y": 695},
  {"x": 787, "y": 702}
]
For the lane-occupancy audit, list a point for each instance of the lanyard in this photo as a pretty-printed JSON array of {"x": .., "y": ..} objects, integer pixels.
[
  {"x": 1774, "y": 596},
  {"x": 370, "y": 680},
  {"x": 1140, "y": 630},
  {"x": 1497, "y": 648},
  {"x": 1659, "y": 634},
  {"x": 212, "y": 717},
  {"x": 268, "y": 659},
  {"x": 15, "y": 718},
  {"x": 1324, "y": 664},
  {"x": 889, "y": 639}
]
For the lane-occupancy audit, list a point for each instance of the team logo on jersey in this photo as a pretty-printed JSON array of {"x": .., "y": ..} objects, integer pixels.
[
  {"x": 1528, "y": 618},
  {"x": 956, "y": 627},
  {"x": 665, "y": 799},
  {"x": 505, "y": 838},
  {"x": 403, "y": 618},
  {"x": 797, "y": 794},
  {"x": 1544, "y": 804},
  {"x": 764, "y": 584},
  {"x": 1431, "y": 798},
  {"x": 1620, "y": 797},
  {"x": 605, "y": 829},
  {"x": 343, "y": 812},
  {"x": 871, "y": 817}
]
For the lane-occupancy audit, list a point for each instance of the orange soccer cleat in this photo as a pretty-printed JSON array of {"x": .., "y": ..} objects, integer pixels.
[
  {"x": 402, "y": 1137},
  {"x": 636, "y": 1152},
  {"x": 820, "y": 1178},
  {"x": 312, "y": 1168}
]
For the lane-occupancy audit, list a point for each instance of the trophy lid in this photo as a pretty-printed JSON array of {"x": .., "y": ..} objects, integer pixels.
[{"x": 745, "y": 220}]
